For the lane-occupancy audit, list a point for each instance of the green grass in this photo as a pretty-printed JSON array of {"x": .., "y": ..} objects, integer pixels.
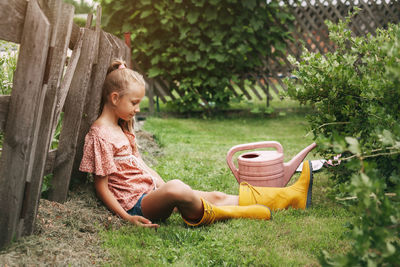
[{"x": 195, "y": 151}]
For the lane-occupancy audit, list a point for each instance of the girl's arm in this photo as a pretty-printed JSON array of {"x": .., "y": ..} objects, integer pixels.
[{"x": 101, "y": 185}]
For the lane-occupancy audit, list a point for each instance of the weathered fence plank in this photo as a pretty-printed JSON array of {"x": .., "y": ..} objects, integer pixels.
[
  {"x": 4, "y": 104},
  {"x": 74, "y": 36},
  {"x": 22, "y": 122},
  {"x": 115, "y": 46},
  {"x": 12, "y": 14},
  {"x": 72, "y": 118},
  {"x": 61, "y": 17},
  {"x": 66, "y": 82},
  {"x": 93, "y": 99},
  {"x": 128, "y": 56},
  {"x": 51, "y": 156}
]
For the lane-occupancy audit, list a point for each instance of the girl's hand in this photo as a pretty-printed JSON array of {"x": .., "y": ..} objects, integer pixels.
[{"x": 142, "y": 222}]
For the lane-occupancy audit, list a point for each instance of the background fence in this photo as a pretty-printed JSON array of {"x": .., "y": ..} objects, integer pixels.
[
  {"x": 308, "y": 28},
  {"x": 46, "y": 83}
]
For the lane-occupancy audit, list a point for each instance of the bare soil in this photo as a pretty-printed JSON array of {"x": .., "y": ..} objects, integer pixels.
[{"x": 68, "y": 233}]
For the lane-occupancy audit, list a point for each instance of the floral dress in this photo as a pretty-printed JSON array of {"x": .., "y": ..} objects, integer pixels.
[{"x": 104, "y": 154}]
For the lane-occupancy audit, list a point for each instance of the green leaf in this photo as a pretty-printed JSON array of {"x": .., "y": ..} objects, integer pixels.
[
  {"x": 145, "y": 2},
  {"x": 387, "y": 138},
  {"x": 210, "y": 14},
  {"x": 126, "y": 27},
  {"x": 192, "y": 16},
  {"x": 391, "y": 249},
  {"x": 145, "y": 14},
  {"x": 180, "y": 13},
  {"x": 134, "y": 14},
  {"x": 354, "y": 147},
  {"x": 154, "y": 72},
  {"x": 192, "y": 56},
  {"x": 155, "y": 60}
]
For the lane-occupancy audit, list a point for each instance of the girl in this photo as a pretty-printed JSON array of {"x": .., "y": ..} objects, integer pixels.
[{"x": 129, "y": 188}]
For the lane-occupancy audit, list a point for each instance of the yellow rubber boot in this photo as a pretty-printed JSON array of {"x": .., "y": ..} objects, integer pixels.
[
  {"x": 214, "y": 213},
  {"x": 297, "y": 196}
]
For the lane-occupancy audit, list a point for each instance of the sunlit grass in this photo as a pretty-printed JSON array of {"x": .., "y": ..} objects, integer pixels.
[{"x": 195, "y": 151}]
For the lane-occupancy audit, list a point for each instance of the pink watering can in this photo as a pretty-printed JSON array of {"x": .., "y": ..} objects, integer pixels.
[{"x": 264, "y": 168}]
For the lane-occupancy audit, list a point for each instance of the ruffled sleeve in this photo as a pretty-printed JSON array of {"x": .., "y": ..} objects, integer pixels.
[{"x": 98, "y": 156}]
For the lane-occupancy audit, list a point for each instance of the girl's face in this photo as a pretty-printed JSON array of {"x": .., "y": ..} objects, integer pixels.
[{"x": 127, "y": 105}]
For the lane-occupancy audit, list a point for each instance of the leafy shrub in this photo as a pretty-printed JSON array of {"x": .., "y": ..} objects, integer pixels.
[
  {"x": 355, "y": 95},
  {"x": 199, "y": 47},
  {"x": 81, "y": 22},
  {"x": 352, "y": 94},
  {"x": 8, "y": 64}
]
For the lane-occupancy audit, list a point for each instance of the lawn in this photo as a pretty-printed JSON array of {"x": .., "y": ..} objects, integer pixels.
[{"x": 194, "y": 151}]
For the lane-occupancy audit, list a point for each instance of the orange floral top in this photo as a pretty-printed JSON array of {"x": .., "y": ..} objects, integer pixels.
[{"x": 104, "y": 154}]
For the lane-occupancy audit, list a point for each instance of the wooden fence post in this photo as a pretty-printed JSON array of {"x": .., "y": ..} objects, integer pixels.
[
  {"x": 61, "y": 18},
  {"x": 4, "y": 106},
  {"x": 22, "y": 123},
  {"x": 93, "y": 98},
  {"x": 72, "y": 118},
  {"x": 12, "y": 15}
]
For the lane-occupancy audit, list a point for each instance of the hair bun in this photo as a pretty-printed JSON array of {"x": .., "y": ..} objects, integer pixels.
[{"x": 115, "y": 64}]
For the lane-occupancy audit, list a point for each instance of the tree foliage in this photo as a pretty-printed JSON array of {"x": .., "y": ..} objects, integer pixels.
[
  {"x": 355, "y": 94},
  {"x": 199, "y": 46}
]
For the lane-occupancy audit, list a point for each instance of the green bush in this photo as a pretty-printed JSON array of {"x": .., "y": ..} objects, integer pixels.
[
  {"x": 199, "y": 47},
  {"x": 81, "y": 22},
  {"x": 355, "y": 94},
  {"x": 8, "y": 64}
]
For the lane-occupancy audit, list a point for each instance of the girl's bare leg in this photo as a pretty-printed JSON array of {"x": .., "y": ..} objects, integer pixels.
[
  {"x": 159, "y": 204},
  {"x": 219, "y": 198}
]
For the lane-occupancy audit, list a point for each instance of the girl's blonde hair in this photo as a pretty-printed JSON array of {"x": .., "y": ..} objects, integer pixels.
[{"x": 117, "y": 80}]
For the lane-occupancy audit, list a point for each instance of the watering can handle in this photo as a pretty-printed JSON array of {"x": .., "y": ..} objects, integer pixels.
[{"x": 233, "y": 150}]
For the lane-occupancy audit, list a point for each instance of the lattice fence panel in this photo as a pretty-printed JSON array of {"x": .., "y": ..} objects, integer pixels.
[{"x": 310, "y": 29}]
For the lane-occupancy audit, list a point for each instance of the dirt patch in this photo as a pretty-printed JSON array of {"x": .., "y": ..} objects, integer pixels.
[
  {"x": 68, "y": 233},
  {"x": 148, "y": 147}
]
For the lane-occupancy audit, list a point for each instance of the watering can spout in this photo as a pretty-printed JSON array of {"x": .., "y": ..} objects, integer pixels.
[{"x": 291, "y": 166}]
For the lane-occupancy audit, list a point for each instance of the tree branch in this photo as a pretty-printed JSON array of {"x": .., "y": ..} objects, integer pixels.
[{"x": 326, "y": 124}]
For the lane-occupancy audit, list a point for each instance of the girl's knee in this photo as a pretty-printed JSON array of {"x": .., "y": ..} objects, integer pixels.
[
  {"x": 178, "y": 190},
  {"x": 176, "y": 185}
]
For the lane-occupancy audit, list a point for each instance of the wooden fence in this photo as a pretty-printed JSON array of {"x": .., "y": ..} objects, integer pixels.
[
  {"x": 45, "y": 84},
  {"x": 308, "y": 27}
]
